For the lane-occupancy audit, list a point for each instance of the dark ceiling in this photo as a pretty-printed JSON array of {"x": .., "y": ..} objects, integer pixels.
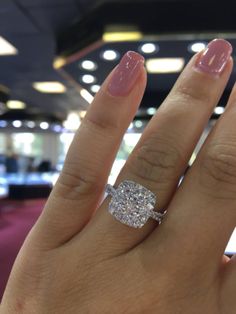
[
  {"x": 32, "y": 27},
  {"x": 43, "y": 29}
]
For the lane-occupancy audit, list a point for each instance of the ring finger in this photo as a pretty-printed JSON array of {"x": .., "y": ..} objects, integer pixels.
[{"x": 165, "y": 147}]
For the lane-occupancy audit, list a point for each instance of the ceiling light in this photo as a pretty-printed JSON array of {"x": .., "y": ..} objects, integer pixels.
[
  {"x": 16, "y": 104},
  {"x": 7, "y": 49},
  {"x": 110, "y": 55},
  {"x": 88, "y": 79},
  {"x": 86, "y": 95},
  {"x": 122, "y": 36},
  {"x": 57, "y": 128},
  {"x": 196, "y": 47},
  {"x": 30, "y": 124},
  {"x": 95, "y": 88},
  {"x": 219, "y": 110},
  {"x": 73, "y": 121},
  {"x": 88, "y": 65},
  {"x": 148, "y": 48},
  {"x": 3, "y": 123},
  {"x": 17, "y": 123},
  {"x": 151, "y": 111},
  {"x": 165, "y": 65},
  {"x": 131, "y": 126},
  {"x": 82, "y": 114},
  {"x": 44, "y": 125},
  {"x": 59, "y": 62},
  {"x": 49, "y": 87},
  {"x": 138, "y": 124}
]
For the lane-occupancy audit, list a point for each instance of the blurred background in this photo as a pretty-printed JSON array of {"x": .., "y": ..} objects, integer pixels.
[{"x": 54, "y": 56}]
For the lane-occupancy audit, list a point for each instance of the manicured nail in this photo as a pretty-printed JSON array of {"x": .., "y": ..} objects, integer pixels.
[
  {"x": 126, "y": 74},
  {"x": 215, "y": 57}
]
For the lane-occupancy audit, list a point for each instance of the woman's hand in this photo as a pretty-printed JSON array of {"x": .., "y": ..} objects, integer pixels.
[{"x": 79, "y": 259}]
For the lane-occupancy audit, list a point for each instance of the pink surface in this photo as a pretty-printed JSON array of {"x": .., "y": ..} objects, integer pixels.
[{"x": 16, "y": 220}]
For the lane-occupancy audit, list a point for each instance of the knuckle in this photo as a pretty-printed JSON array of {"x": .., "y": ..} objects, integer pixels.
[
  {"x": 73, "y": 184},
  {"x": 219, "y": 169},
  {"x": 191, "y": 94},
  {"x": 156, "y": 161},
  {"x": 100, "y": 122}
]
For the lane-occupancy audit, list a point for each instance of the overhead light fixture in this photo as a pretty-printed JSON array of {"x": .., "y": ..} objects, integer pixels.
[
  {"x": 86, "y": 95},
  {"x": 3, "y": 123},
  {"x": 44, "y": 125},
  {"x": 88, "y": 65},
  {"x": 196, "y": 47},
  {"x": 49, "y": 87},
  {"x": 88, "y": 79},
  {"x": 131, "y": 126},
  {"x": 110, "y": 55},
  {"x": 82, "y": 114},
  {"x": 73, "y": 121},
  {"x": 148, "y": 48},
  {"x": 6, "y": 48},
  {"x": 122, "y": 36},
  {"x": 219, "y": 110},
  {"x": 165, "y": 65},
  {"x": 59, "y": 63},
  {"x": 57, "y": 128},
  {"x": 30, "y": 124},
  {"x": 17, "y": 123},
  {"x": 16, "y": 104},
  {"x": 138, "y": 124},
  {"x": 95, "y": 88},
  {"x": 151, "y": 111}
]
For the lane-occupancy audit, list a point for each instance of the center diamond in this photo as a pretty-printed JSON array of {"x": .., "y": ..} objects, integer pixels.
[{"x": 131, "y": 204}]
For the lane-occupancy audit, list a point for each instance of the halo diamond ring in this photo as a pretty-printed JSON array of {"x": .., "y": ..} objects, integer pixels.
[{"x": 132, "y": 204}]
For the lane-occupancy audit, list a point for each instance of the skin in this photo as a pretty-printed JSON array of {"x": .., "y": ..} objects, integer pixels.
[{"x": 79, "y": 259}]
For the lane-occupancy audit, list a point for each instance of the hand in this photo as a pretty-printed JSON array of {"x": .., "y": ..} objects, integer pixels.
[{"x": 79, "y": 259}]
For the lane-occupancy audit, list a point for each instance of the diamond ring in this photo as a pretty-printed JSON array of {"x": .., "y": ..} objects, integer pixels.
[{"x": 132, "y": 204}]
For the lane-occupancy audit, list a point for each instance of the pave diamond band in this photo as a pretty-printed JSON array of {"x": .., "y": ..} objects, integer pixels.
[{"x": 132, "y": 204}]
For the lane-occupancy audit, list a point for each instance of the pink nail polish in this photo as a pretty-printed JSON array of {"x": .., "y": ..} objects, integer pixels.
[
  {"x": 215, "y": 57},
  {"x": 126, "y": 74}
]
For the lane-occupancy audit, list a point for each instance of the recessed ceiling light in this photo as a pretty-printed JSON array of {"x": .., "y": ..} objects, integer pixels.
[
  {"x": 88, "y": 79},
  {"x": 30, "y": 124},
  {"x": 165, "y": 65},
  {"x": 148, "y": 48},
  {"x": 196, "y": 47},
  {"x": 122, "y": 36},
  {"x": 49, "y": 87},
  {"x": 138, "y": 124},
  {"x": 17, "y": 123},
  {"x": 57, "y": 128},
  {"x": 86, "y": 95},
  {"x": 44, "y": 125},
  {"x": 16, "y": 104},
  {"x": 110, "y": 55},
  {"x": 151, "y": 111},
  {"x": 95, "y": 88},
  {"x": 7, "y": 49},
  {"x": 219, "y": 110},
  {"x": 88, "y": 65},
  {"x": 3, "y": 123}
]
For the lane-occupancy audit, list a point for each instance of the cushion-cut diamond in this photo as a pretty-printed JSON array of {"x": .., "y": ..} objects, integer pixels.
[{"x": 131, "y": 204}]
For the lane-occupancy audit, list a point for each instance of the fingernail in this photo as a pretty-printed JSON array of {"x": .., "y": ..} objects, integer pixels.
[
  {"x": 126, "y": 74},
  {"x": 215, "y": 57}
]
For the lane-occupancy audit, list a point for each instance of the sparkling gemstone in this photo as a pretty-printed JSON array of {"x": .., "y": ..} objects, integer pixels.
[{"x": 131, "y": 204}]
